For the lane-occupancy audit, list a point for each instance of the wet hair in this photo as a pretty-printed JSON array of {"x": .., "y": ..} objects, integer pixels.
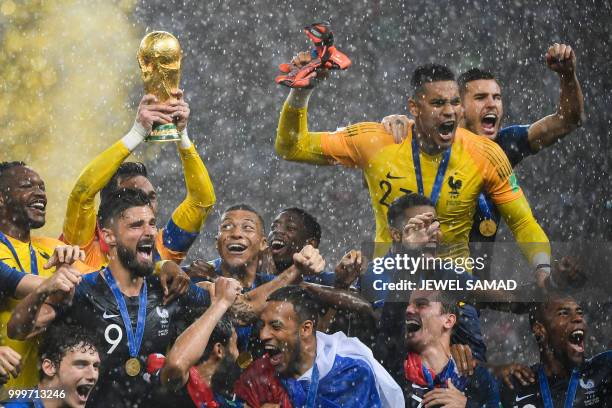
[
  {"x": 427, "y": 73},
  {"x": 222, "y": 333},
  {"x": 305, "y": 306},
  {"x": 61, "y": 339},
  {"x": 126, "y": 170},
  {"x": 474, "y": 74},
  {"x": 119, "y": 201},
  {"x": 395, "y": 214},
  {"x": 312, "y": 226},
  {"x": 537, "y": 310},
  {"x": 246, "y": 207},
  {"x": 4, "y": 167}
]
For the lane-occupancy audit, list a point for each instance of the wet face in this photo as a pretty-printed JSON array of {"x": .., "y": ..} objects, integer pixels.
[
  {"x": 482, "y": 107},
  {"x": 287, "y": 236},
  {"x": 281, "y": 334},
  {"x": 77, "y": 375},
  {"x": 565, "y": 330},
  {"x": 240, "y": 239},
  {"x": 141, "y": 183},
  {"x": 23, "y": 198},
  {"x": 437, "y": 111},
  {"x": 425, "y": 320},
  {"x": 133, "y": 235}
]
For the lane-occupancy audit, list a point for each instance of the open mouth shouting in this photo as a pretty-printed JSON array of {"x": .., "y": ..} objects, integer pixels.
[
  {"x": 236, "y": 248},
  {"x": 576, "y": 341},
  {"x": 413, "y": 324},
  {"x": 277, "y": 245},
  {"x": 275, "y": 354},
  {"x": 83, "y": 392},
  {"x": 446, "y": 130},
  {"x": 144, "y": 250},
  {"x": 488, "y": 123}
]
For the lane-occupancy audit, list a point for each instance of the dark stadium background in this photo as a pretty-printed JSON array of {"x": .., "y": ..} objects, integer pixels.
[{"x": 232, "y": 50}]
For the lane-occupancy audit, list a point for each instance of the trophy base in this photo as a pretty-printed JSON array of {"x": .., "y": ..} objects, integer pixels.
[{"x": 164, "y": 133}]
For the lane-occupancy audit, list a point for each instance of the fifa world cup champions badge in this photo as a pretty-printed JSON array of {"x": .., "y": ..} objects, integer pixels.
[{"x": 159, "y": 58}]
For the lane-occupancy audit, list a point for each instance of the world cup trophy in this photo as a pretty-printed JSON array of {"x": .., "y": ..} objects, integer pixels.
[{"x": 159, "y": 58}]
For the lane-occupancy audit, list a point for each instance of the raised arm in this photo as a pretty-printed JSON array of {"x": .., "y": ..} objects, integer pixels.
[
  {"x": 190, "y": 345},
  {"x": 561, "y": 59},
  {"x": 33, "y": 314},
  {"x": 80, "y": 222},
  {"x": 187, "y": 219}
]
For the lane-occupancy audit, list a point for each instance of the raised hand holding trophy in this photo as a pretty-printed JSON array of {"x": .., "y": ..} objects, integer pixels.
[{"x": 159, "y": 58}]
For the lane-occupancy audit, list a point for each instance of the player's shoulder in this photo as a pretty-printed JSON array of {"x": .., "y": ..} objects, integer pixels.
[
  {"x": 482, "y": 150},
  {"x": 371, "y": 129},
  {"x": 602, "y": 360}
]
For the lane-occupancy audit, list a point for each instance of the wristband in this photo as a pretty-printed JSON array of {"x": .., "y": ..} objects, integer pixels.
[
  {"x": 185, "y": 143},
  {"x": 134, "y": 137}
]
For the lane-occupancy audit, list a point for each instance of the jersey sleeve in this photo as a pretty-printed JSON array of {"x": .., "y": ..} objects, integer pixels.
[
  {"x": 483, "y": 390},
  {"x": 352, "y": 146},
  {"x": 9, "y": 279},
  {"x": 80, "y": 222},
  {"x": 500, "y": 183},
  {"x": 183, "y": 228},
  {"x": 530, "y": 237},
  {"x": 514, "y": 141}
]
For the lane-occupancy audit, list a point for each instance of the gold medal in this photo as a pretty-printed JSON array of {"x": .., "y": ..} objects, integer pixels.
[
  {"x": 487, "y": 227},
  {"x": 132, "y": 367},
  {"x": 244, "y": 359}
]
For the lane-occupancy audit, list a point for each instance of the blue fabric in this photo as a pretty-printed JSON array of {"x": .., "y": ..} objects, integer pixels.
[
  {"x": 514, "y": 142},
  {"x": 176, "y": 238},
  {"x": 324, "y": 278},
  {"x": 349, "y": 384},
  {"x": 9, "y": 279}
]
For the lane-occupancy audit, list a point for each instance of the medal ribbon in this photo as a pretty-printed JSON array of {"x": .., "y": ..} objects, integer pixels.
[
  {"x": 571, "y": 389},
  {"x": 485, "y": 205},
  {"x": 435, "y": 190},
  {"x": 134, "y": 340},
  {"x": 33, "y": 261}
]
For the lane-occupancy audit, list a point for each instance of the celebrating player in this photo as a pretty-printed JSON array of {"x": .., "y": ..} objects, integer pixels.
[
  {"x": 450, "y": 165},
  {"x": 107, "y": 172},
  {"x": 23, "y": 201},
  {"x": 563, "y": 376},
  {"x": 69, "y": 368},
  {"x": 431, "y": 376},
  {"x": 482, "y": 104},
  {"x": 122, "y": 303},
  {"x": 318, "y": 369},
  {"x": 201, "y": 365}
]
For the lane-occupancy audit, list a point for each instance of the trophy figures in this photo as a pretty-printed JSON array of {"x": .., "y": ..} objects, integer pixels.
[{"x": 159, "y": 58}]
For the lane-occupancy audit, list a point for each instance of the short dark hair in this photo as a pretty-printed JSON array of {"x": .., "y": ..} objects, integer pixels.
[
  {"x": 537, "y": 309},
  {"x": 312, "y": 226},
  {"x": 60, "y": 339},
  {"x": 222, "y": 333},
  {"x": 473, "y": 74},
  {"x": 126, "y": 170},
  {"x": 119, "y": 201},
  {"x": 427, "y": 73},
  {"x": 246, "y": 207},
  {"x": 396, "y": 210},
  {"x": 4, "y": 167},
  {"x": 305, "y": 306}
]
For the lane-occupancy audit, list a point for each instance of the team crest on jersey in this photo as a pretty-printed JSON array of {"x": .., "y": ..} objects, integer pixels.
[
  {"x": 455, "y": 185},
  {"x": 162, "y": 312}
]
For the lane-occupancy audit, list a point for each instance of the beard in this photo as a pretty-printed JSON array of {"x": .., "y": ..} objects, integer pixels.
[
  {"x": 127, "y": 257},
  {"x": 294, "y": 359},
  {"x": 224, "y": 377}
]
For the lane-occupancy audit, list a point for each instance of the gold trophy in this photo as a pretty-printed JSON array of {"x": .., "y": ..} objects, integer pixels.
[{"x": 159, "y": 58}]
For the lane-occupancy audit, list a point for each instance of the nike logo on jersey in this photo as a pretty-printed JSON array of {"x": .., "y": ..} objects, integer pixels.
[
  {"x": 390, "y": 177},
  {"x": 108, "y": 316},
  {"x": 523, "y": 397}
]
